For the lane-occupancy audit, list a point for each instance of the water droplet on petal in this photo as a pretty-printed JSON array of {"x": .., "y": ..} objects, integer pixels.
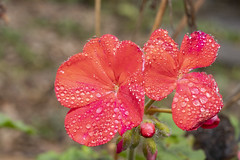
[
  {"x": 88, "y": 126},
  {"x": 203, "y": 99},
  {"x": 99, "y": 110},
  {"x": 196, "y": 103}
]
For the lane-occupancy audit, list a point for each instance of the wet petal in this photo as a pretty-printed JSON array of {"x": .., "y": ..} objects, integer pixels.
[
  {"x": 161, "y": 42},
  {"x": 198, "y": 50},
  {"x": 197, "y": 99},
  {"x": 211, "y": 123},
  {"x": 103, "y": 51},
  {"x": 94, "y": 124},
  {"x": 128, "y": 60},
  {"x": 131, "y": 104},
  {"x": 160, "y": 66},
  {"x": 80, "y": 81}
]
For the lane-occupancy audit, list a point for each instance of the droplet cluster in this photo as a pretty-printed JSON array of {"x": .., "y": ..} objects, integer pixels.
[{"x": 195, "y": 101}]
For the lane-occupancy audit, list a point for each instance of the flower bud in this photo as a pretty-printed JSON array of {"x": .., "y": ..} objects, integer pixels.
[
  {"x": 211, "y": 123},
  {"x": 135, "y": 138},
  {"x": 147, "y": 129},
  {"x": 124, "y": 142},
  {"x": 162, "y": 129},
  {"x": 150, "y": 149}
]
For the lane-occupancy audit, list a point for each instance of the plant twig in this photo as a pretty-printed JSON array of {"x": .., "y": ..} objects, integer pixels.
[
  {"x": 183, "y": 21},
  {"x": 139, "y": 21},
  {"x": 97, "y": 17},
  {"x": 3, "y": 12},
  {"x": 148, "y": 105},
  {"x": 235, "y": 96},
  {"x": 131, "y": 154},
  {"x": 159, "y": 16},
  {"x": 158, "y": 110},
  {"x": 190, "y": 13}
]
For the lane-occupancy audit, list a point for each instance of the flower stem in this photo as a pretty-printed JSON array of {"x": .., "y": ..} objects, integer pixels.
[
  {"x": 159, "y": 16},
  {"x": 131, "y": 154},
  {"x": 97, "y": 17},
  {"x": 148, "y": 104},
  {"x": 158, "y": 110}
]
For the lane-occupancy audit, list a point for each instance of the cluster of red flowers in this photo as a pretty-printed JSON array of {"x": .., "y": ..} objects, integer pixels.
[{"x": 105, "y": 85}]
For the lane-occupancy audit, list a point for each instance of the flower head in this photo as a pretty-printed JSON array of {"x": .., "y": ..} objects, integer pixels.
[
  {"x": 103, "y": 86},
  {"x": 147, "y": 129},
  {"x": 197, "y": 98}
]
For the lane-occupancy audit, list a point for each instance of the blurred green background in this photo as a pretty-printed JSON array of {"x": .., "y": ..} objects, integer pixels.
[{"x": 40, "y": 34}]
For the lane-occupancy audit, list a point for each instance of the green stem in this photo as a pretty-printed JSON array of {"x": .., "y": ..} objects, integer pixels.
[
  {"x": 158, "y": 110},
  {"x": 148, "y": 105},
  {"x": 131, "y": 154}
]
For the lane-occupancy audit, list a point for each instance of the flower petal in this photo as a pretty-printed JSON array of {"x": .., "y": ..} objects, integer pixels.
[
  {"x": 94, "y": 124},
  {"x": 198, "y": 50},
  {"x": 77, "y": 84},
  {"x": 197, "y": 99},
  {"x": 87, "y": 76},
  {"x": 160, "y": 40},
  {"x": 211, "y": 123},
  {"x": 160, "y": 67},
  {"x": 128, "y": 60},
  {"x": 131, "y": 104},
  {"x": 103, "y": 51}
]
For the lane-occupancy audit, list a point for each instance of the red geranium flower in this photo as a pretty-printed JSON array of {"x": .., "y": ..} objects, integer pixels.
[
  {"x": 103, "y": 86},
  {"x": 197, "y": 98}
]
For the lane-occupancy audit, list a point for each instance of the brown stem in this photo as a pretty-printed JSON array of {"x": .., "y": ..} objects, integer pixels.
[
  {"x": 190, "y": 13},
  {"x": 159, "y": 16},
  {"x": 159, "y": 110},
  {"x": 183, "y": 21},
  {"x": 139, "y": 21},
  {"x": 97, "y": 17},
  {"x": 148, "y": 105}
]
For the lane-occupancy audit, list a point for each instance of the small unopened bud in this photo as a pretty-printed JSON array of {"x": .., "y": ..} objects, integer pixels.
[
  {"x": 211, "y": 123},
  {"x": 162, "y": 129},
  {"x": 135, "y": 138},
  {"x": 150, "y": 149},
  {"x": 124, "y": 142},
  {"x": 147, "y": 129}
]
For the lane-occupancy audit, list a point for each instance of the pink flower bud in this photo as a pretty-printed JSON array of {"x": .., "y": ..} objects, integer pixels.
[
  {"x": 147, "y": 129},
  {"x": 151, "y": 156},
  {"x": 211, "y": 123}
]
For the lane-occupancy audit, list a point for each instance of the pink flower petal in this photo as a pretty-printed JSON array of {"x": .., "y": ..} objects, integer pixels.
[
  {"x": 128, "y": 60},
  {"x": 211, "y": 123},
  {"x": 77, "y": 84},
  {"x": 103, "y": 51},
  {"x": 130, "y": 104},
  {"x": 161, "y": 41},
  {"x": 87, "y": 76},
  {"x": 198, "y": 50},
  {"x": 197, "y": 99},
  {"x": 94, "y": 124},
  {"x": 160, "y": 68}
]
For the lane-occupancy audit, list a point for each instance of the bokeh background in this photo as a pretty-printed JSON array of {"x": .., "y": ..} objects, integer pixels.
[{"x": 36, "y": 36}]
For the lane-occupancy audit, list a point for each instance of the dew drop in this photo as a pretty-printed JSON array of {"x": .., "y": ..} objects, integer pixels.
[
  {"x": 98, "y": 95},
  {"x": 126, "y": 113},
  {"x": 116, "y": 110},
  {"x": 202, "y": 109},
  {"x": 208, "y": 95},
  {"x": 196, "y": 103},
  {"x": 175, "y": 99},
  {"x": 203, "y": 99},
  {"x": 194, "y": 90},
  {"x": 88, "y": 126},
  {"x": 99, "y": 110}
]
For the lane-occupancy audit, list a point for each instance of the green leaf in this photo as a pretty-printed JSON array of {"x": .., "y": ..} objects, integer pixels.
[
  {"x": 177, "y": 146},
  {"x": 6, "y": 122},
  {"x": 48, "y": 156},
  {"x": 75, "y": 153}
]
